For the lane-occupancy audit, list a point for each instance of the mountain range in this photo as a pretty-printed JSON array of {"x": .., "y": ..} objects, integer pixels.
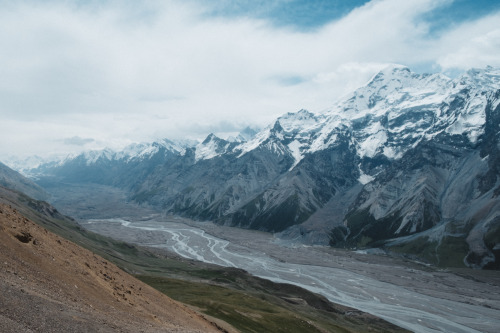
[{"x": 409, "y": 163}]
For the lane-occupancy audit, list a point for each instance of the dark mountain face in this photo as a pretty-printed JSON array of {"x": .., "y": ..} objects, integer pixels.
[
  {"x": 211, "y": 188},
  {"x": 408, "y": 162},
  {"x": 298, "y": 193}
]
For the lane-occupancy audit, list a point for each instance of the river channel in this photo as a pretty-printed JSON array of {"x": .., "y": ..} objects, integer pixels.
[{"x": 410, "y": 295}]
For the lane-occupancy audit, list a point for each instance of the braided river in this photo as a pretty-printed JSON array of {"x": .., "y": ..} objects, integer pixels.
[{"x": 411, "y": 295}]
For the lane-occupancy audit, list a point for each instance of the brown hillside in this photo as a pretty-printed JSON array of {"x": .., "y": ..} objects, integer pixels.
[{"x": 48, "y": 284}]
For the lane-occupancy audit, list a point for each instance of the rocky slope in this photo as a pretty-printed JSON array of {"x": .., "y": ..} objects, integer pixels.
[
  {"x": 52, "y": 285},
  {"x": 403, "y": 155}
]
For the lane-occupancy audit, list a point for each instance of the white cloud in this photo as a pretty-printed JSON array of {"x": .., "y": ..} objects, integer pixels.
[
  {"x": 474, "y": 44},
  {"x": 121, "y": 72},
  {"x": 77, "y": 141}
]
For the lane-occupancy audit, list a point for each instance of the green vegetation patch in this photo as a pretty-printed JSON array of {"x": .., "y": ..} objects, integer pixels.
[
  {"x": 420, "y": 247},
  {"x": 242, "y": 310},
  {"x": 452, "y": 251},
  {"x": 449, "y": 252},
  {"x": 284, "y": 309},
  {"x": 492, "y": 236}
]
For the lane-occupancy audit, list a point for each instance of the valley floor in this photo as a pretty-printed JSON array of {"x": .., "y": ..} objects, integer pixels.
[{"x": 411, "y": 295}]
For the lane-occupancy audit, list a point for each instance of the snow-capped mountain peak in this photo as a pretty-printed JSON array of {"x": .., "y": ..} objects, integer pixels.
[
  {"x": 394, "y": 86},
  {"x": 293, "y": 131},
  {"x": 394, "y": 111},
  {"x": 211, "y": 147},
  {"x": 302, "y": 120},
  {"x": 93, "y": 156}
]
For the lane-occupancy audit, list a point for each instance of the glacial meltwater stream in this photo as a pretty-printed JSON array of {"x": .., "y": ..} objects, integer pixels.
[{"x": 419, "y": 300}]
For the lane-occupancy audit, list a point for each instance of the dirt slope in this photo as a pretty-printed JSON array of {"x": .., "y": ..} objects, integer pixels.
[{"x": 48, "y": 284}]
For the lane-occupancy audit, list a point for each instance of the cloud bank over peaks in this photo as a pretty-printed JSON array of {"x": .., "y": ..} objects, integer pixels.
[{"x": 119, "y": 72}]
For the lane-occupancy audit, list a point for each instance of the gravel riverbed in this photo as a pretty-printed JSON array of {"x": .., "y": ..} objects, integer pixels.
[{"x": 411, "y": 295}]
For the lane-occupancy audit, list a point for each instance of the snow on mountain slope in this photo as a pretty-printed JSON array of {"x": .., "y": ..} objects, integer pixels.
[
  {"x": 392, "y": 113},
  {"x": 211, "y": 147},
  {"x": 24, "y": 165},
  {"x": 395, "y": 107},
  {"x": 143, "y": 150},
  {"x": 293, "y": 131},
  {"x": 132, "y": 152},
  {"x": 473, "y": 87}
]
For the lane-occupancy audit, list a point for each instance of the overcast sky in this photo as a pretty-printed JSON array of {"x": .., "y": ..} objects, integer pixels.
[{"x": 82, "y": 74}]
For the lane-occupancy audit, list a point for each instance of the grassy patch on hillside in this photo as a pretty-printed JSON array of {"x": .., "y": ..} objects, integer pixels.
[
  {"x": 244, "y": 311},
  {"x": 449, "y": 252},
  {"x": 250, "y": 310}
]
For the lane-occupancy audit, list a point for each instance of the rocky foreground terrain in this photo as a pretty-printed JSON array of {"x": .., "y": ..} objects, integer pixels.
[{"x": 49, "y": 284}]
